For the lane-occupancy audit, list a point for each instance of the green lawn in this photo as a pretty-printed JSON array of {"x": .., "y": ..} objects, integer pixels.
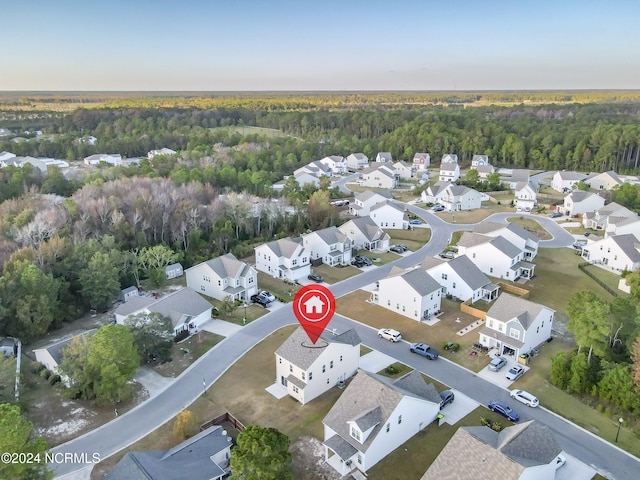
[
  {"x": 379, "y": 258},
  {"x": 239, "y": 315},
  {"x": 183, "y": 354},
  {"x": 532, "y": 226},
  {"x": 335, "y": 274},
  {"x": 414, "y": 239},
  {"x": 608, "y": 278},
  {"x": 474, "y": 216},
  {"x": 283, "y": 291},
  {"x": 455, "y": 237}
]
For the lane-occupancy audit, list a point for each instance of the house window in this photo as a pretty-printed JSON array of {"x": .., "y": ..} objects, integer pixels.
[
  {"x": 388, "y": 427},
  {"x": 360, "y": 458},
  {"x": 303, "y": 376},
  {"x": 324, "y": 368},
  {"x": 454, "y": 284},
  {"x": 355, "y": 433},
  {"x": 397, "y": 306},
  {"x": 202, "y": 288},
  {"x": 507, "y": 275},
  {"x": 399, "y": 419},
  {"x": 206, "y": 278},
  {"x": 219, "y": 283},
  {"x": 491, "y": 270},
  {"x": 473, "y": 255},
  {"x": 310, "y": 375},
  {"x": 388, "y": 303},
  {"x": 250, "y": 280},
  {"x": 490, "y": 323},
  {"x": 403, "y": 308},
  {"x": 295, "y": 389},
  {"x": 444, "y": 276},
  {"x": 331, "y": 364},
  {"x": 290, "y": 368},
  {"x": 304, "y": 259},
  {"x": 280, "y": 360},
  {"x": 327, "y": 381},
  {"x": 514, "y": 333},
  {"x": 340, "y": 357}
]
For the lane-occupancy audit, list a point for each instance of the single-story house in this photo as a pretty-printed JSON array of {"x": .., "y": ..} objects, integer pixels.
[{"x": 51, "y": 356}]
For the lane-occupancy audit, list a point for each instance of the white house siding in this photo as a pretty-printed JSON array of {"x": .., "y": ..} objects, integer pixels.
[
  {"x": 44, "y": 357},
  {"x": 589, "y": 204},
  {"x": 538, "y": 332},
  {"x": 491, "y": 261},
  {"x": 396, "y": 295},
  {"x": 334, "y": 254},
  {"x": 453, "y": 284},
  {"x": 337, "y": 363},
  {"x": 387, "y": 216},
  {"x": 608, "y": 254},
  {"x": 602, "y": 182},
  {"x": 416, "y": 415},
  {"x": 203, "y": 279}
]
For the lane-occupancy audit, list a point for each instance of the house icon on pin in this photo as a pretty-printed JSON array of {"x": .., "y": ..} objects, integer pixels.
[{"x": 314, "y": 305}]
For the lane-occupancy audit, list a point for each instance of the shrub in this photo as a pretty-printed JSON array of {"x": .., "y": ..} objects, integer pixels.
[
  {"x": 54, "y": 379},
  {"x": 496, "y": 426},
  {"x": 392, "y": 369},
  {"x": 45, "y": 373},
  {"x": 181, "y": 336},
  {"x": 456, "y": 347},
  {"x": 484, "y": 421},
  {"x": 37, "y": 367}
]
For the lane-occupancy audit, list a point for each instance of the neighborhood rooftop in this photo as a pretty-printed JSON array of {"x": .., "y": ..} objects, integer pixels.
[
  {"x": 301, "y": 352},
  {"x": 508, "y": 307}
]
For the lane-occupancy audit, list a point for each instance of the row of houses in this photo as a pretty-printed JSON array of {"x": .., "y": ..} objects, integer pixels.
[
  {"x": 565, "y": 181},
  {"x": 41, "y": 163}
]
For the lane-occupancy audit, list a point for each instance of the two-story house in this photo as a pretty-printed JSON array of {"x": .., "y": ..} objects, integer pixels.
[
  {"x": 456, "y": 198},
  {"x": 389, "y": 214},
  {"x": 482, "y": 165},
  {"x": 412, "y": 293},
  {"x": 307, "y": 370},
  {"x": 284, "y": 258},
  {"x": 518, "y": 175},
  {"x": 421, "y": 161},
  {"x": 380, "y": 175},
  {"x": 527, "y": 451},
  {"x": 579, "y": 202},
  {"x": 187, "y": 310},
  {"x": 515, "y": 325},
  {"x": 525, "y": 240},
  {"x": 403, "y": 170},
  {"x": 622, "y": 226},
  {"x": 337, "y": 164},
  {"x": 449, "y": 172},
  {"x": 357, "y": 161},
  {"x": 374, "y": 416},
  {"x": 330, "y": 245},
  {"x": 496, "y": 257},
  {"x": 599, "y": 219},
  {"x": 362, "y": 202},
  {"x": 604, "y": 181},
  {"x": 566, "y": 181},
  {"x": 433, "y": 193},
  {"x": 461, "y": 279},
  {"x": 616, "y": 253},
  {"x": 222, "y": 277},
  {"x": 526, "y": 197},
  {"x": 316, "y": 169},
  {"x": 366, "y": 234}
]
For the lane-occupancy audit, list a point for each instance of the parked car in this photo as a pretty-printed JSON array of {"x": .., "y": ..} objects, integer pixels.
[
  {"x": 424, "y": 350},
  {"x": 519, "y": 209},
  {"x": 579, "y": 244},
  {"x": 447, "y": 255},
  {"x": 438, "y": 208},
  {"x": 403, "y": 246},
  {"x": 555, "y": 214},
  {"x": 390, "y": 334},
  {"x": 260, "y": 300},
  {"x": 515, "y": 372},
  {"x": 504, "y": 410},
  {"x": 415, "y": 222},
  {"x": 525, "y": 397},
  {"x": 560, "y": 461},
  {"x": 268, "y": 295},
  {"x": 396, "y": 249},
  {"x": 363, "y": 260},
  {"x": 527, "y": 209},
  {"x": 315, "y": 277},
  {"x": 497, "y": 363},
  {"x": 447, "y": 397}
]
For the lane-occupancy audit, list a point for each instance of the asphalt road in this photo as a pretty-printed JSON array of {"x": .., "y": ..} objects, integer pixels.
[{"x": 142, "y": 420}]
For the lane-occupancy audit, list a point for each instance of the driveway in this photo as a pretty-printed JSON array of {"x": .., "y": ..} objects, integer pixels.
[
  {"x": 499, "y": 378},
  {"x": 220, "y": 327},
  {"x": 375, "y": 361},
  {"x": 461, "y": 406},
  {"x": 151, "y": 380}
]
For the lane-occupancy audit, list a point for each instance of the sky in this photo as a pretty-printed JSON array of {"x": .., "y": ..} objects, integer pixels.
[{"x": 247, "y": 45}]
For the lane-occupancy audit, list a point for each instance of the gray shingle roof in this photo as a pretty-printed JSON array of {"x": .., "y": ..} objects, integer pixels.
[
  {"x": 421, "y": 281},
  {"x": 366, "y": 195},
  {"x": 469, "y": 239},
  {"x": 365, "y": 392},
  {"x": 343, "y": 449},
  {"x": 369, "y": 229},
  {"x": 507, "y": 307},
  {"x": 628, "y": 244},
  {"x": 458, "y": 190},
  {"x": 413, "y": 384},
  {"x": 284, "y": 247},
  {"x": 225, "y": 266},
  {"x": 391, "y": 203},
  {"x": 192, "y": 456},
  {"x": 446, "y": 167},
  {"x": 520, "y": 175},
  {"x": 385, "y": 155},
  {"x": 330, "y": 235},
  {"x": 369, "y": 419},
  {"x": 56, "y": 350},
  {"x": 485, "y": 168},
  {"x": 580, "y": 195},
  {"x": 436, "y": 188},
  {"x": 133, "y": 305},
  {"x": 430, "y": 262},
  {"x": 299, "y": 350},
  {"x": 468, "y": 271},
  {"x": 180, "y": 303},
  {"x": 572, "y": 175},
  {"x": 505, "y": 246}
]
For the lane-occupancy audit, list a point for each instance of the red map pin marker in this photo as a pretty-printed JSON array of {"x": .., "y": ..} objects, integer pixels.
[{"x": 314, "y": 306}]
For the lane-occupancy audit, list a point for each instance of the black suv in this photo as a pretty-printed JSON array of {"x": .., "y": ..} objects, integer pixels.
[{"x": 260, "y": 299}]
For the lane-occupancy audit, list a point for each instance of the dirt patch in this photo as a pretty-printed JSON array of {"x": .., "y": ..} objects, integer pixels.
[{"x": 308, "y": 460}]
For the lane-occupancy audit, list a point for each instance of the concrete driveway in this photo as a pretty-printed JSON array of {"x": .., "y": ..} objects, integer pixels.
[
  {"x": 221, "y": 327},
  {"x": 459, "y": 408},
  {"x": 499, "y": 378},
  {"x": 375, "y": 361}
]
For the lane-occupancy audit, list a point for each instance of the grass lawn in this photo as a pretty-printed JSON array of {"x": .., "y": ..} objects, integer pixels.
[
  {"x": 335, "y": 274},
  {"x": 401, "y": 368},
  {"x": 283, "y": 291},
  {"x": 474, "y": 216},
  {"x": 608, "y": 278},
  {"x": 241, "y": 392},
  {"x": 577, "y": 230},
  {"x": 406, "y": 196},
  {"x": 414, "y": 239},
  {"x": 455, "y": 237},
  {"x": 532, "y": 226},
  {"x": 451, "y": 321},
  {"x": 185, "y": 353},
  {"x": 238, "y": 315},
  {"x": 379, "y": 258}
]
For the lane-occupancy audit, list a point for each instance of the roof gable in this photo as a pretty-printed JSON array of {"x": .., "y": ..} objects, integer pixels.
[
  {"x": 509, "y": 307},
  {"x": 302, "y": 353}
]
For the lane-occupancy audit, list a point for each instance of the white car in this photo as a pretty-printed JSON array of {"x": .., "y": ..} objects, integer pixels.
[
  {"x": 525, "y": 397},
  {"x": 390, "y": 334},
  {"x": 268, "y": 295}
]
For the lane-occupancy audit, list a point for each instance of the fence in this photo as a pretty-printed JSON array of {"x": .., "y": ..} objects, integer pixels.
[
  {"x": 521, "y": 292},
  {"x": 225, "y": 417},
  {"x": 583, "y": 268},
  {"x": 466, "y": 307}
]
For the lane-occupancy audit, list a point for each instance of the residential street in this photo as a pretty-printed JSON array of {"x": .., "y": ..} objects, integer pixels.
[{"x": 135, "y": 424}]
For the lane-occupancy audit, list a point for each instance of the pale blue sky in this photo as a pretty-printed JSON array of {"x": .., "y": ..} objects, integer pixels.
[{"x": 319, "y": 45}]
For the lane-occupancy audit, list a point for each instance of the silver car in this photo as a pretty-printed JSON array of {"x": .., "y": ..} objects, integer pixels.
[
  {"x": 497, "y": 363},
  {"x": 515, "y": 372},
  {"x": 390, "y": 334}
]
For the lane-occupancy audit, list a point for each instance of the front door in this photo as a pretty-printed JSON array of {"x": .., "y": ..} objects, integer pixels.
[{"x": 284, "y": 381}]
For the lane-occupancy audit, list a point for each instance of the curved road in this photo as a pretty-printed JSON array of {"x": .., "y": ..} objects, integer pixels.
[{"x": 140, "y": 421}]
